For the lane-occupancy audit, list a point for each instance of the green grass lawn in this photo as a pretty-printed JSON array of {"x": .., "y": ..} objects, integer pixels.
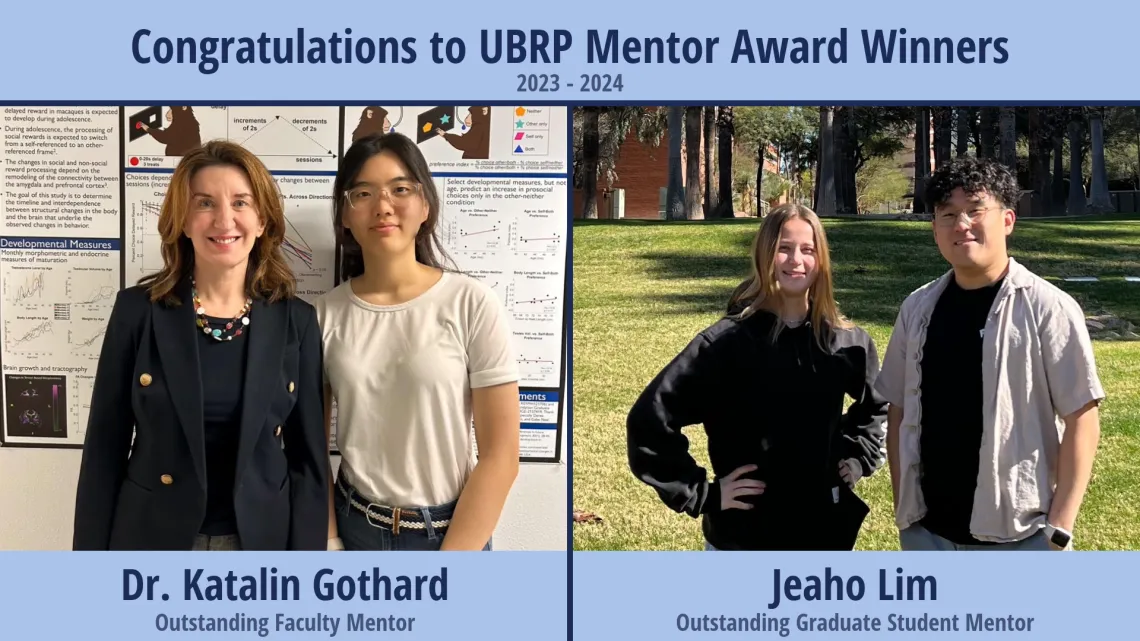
[{"x": 642, "y": 290}]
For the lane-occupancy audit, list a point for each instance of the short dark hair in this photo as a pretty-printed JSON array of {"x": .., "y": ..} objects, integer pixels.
[{"x": 973, "y": 175}]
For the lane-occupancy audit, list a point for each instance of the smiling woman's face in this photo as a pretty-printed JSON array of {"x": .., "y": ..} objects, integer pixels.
[
  {"x": 796, "y": 267},
  {"x": 386, "y": 209}
]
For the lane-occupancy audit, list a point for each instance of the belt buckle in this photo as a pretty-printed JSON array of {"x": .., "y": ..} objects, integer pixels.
[
  {"x": 368, "y": 515},
  {"x": 396, "y": 521}
]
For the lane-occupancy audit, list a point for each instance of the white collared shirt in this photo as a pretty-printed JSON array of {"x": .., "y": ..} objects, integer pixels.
[{"x": 1037, "y": 367}]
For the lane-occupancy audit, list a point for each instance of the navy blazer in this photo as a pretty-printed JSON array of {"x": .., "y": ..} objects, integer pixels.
[{"x": 151, "y": 494}]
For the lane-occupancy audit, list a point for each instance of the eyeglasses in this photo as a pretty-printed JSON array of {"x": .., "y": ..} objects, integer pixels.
[
  {"x": 366, "y": 197},
  {"x": 950, "y": 219}
]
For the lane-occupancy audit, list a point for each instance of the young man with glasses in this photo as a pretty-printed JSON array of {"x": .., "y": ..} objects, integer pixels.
[{"x": 993, "y": 422}]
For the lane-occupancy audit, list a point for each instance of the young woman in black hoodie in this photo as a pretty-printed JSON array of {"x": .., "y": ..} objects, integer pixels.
[{"x": 768, "y": 383}]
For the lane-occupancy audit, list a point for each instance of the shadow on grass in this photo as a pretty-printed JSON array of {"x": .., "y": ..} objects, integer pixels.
[
  {"x": 669, "y": 267},
  {"x": 876, "y": 265},
  {"x": 709, "y": 301}
]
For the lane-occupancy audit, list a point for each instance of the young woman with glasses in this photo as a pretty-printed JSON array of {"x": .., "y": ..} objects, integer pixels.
[{"x": 413, "y": 353}]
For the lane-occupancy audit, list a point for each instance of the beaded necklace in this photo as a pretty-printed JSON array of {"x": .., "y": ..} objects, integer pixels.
[{"x": 242, "y": 319}]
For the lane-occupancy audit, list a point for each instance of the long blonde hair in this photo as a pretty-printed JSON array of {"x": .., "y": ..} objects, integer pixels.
[
  {"x": 762, "y": 290},
  {"x": 270, "y": 276}
]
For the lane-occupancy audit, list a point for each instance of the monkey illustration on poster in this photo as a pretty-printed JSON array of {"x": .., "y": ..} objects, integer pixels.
[
  {"x": 475, "y": 141},
  {"x": 476, "y": 138},
  {"x": 181, "y": 134},
  {"x": 376, "y": 120}
]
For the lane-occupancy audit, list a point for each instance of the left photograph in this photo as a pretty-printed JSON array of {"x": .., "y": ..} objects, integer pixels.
[{"x": 273, "y": 328}]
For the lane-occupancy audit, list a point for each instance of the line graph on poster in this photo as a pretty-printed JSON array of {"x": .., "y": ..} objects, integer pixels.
[
  {"x": 145, "y": 193},
  {"x": 537, "y": 370},
  {"x": 79, "y": 403},
  {"x": 144, "y": 243},
  {"x": 473, "y": 230},
  {"x": 85, "y": 337},
  {"x": 30, "y": 338},
  {"x": 92, "y": 286},
  {"x": 488, "y": 268},
  {"x": 310, "y": 243},
  {"x": 537, "y": 295},
  {"x": 297, "y": 250},
  {"x": 41, "y": 288},
  {"x": 31, "y": 287},
  {"x": 539, "y": 232},
  {"x": 287, "y": 138},
  {"x": 538, "y": 346}
]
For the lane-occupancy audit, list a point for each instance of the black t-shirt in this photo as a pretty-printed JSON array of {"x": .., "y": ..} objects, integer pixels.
[
  {"x": 223, "y": 377},
  {"x": 952, "y": 409}
]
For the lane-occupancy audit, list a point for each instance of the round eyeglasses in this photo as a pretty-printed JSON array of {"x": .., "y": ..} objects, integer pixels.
[{"x": 366, "y": 197}]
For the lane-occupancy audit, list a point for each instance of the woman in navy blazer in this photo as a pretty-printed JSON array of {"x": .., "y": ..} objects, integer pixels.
[{"x": 214, "y": 367}]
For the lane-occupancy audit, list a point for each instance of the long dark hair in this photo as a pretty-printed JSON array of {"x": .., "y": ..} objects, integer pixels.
[{"x": 429, "y": 251}]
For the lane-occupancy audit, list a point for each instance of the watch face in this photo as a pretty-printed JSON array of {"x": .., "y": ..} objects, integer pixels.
[{"x": 1060, "y": 539}]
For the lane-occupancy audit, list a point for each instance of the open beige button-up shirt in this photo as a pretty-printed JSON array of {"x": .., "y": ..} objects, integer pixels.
[{"x": 1038, "y": 367}]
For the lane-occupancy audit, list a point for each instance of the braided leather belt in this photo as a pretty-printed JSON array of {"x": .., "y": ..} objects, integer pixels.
[{"x": 393, "y": 522}]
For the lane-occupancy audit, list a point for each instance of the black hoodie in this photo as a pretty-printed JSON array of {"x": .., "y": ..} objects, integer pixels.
[{"x": 778, "y": 406}]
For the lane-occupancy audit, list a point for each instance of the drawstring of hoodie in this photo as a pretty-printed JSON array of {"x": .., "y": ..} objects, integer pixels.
[{"x": 805, "y": 343}]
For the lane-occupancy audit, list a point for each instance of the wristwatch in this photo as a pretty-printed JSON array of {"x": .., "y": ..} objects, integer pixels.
[{"x": 1059, "y": 537}]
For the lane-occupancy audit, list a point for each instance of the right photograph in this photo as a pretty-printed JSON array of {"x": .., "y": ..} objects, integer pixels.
[{"x": 856, "y": 328}]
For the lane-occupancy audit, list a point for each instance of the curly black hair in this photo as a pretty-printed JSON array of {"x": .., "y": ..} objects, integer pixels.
[{"x": 973, "y": 175}]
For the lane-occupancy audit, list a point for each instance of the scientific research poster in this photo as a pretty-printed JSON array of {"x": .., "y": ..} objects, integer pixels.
[
  {"x": 59, "y": 265},
  {"x": 84, "y": 188},
  {"x": 472, "y": 138}
]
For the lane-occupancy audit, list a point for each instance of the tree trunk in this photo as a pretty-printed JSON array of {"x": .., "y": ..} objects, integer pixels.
[
  {"x": 1136, "y": 124},
  {"x": 943, "y": 119},
  {"x": 693, "y": 163},
  {"x": 1099, "y": 199},
  {"x": 965, "y": 117},
  {"x": 825, "y": 205},
  {"x": 815, "y": 176},
  {"x": 1057, "y": 198},
  {"x": 710, "y": 134},
  {"x": 921, "y": 156},
  {"x": 987, "y": 144},
  {"x": 761, "y": 156},
  {"x": 976, "y": 130},
  {"x": 1037, "y": 162},
  {"x": 591, "y": 141},
  {"x": 843, "y": 158},
  {"x": 793, "y": 178},
  {"x": 850, "y": 188},
  {"x": 1076, "y": 205},
  {"x": 724, "y": 133},
  {"x": 1009, "y": 138},
  {"x": 675, "y": 190}
]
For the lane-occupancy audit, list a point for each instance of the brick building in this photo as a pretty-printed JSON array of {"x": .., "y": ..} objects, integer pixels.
[
  {"x": 643, "y": 174},
  {"x": 642, "y": 170}
]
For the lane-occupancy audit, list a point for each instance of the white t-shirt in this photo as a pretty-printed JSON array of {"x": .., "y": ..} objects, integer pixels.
[{"x": 402, "y": 377}]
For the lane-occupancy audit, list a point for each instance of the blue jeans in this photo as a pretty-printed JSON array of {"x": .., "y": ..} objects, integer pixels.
[
  {"x": 918, "y": 538},
  {"x": 358, "y": 532}
]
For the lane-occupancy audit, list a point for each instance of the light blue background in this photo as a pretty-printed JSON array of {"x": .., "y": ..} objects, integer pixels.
[
  {"x": 1070, "y": 595},
  {"x": 78, "y": 595},
  {"x": 81, "y": 51}
]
